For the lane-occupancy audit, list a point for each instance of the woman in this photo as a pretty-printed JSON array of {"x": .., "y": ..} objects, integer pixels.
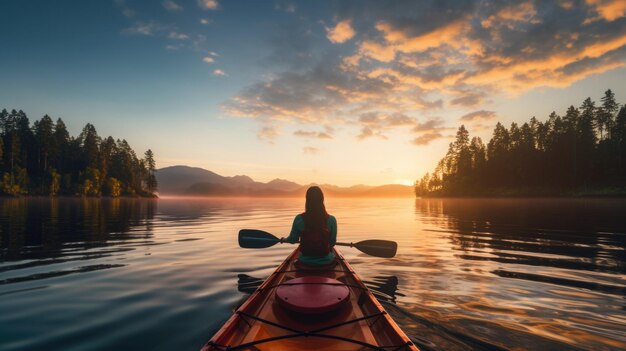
[{"x": 315, "y": 229}]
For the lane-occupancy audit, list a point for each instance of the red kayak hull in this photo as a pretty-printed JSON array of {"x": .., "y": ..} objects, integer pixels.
[{"x": 262, "y": 323}]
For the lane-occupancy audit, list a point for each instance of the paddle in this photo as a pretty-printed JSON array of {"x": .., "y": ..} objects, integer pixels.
[{"x": 258, "y": 239}]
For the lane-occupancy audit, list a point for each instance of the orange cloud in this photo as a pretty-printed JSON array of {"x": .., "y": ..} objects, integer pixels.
[
  {"x": 610, "y": 10},
  {"x": 417, "y": 80},
  {"x": 341, "y": 33},
  {"x": 312, "y": 134},
  {"x": 526, "y": 74},
  {"x": 402, "y": 67},
  {"x": 309, "y": 150},
  {"x": 384, "y": 53},
  {"x": 397, "y": 40},
  {"x": 426, "y": 138},
  {"x": 478, "y": 115},
  {"x": 513, "y": 73},
  {"x": 208, "y": 4},
  {"x": 268, "y": 133},
  {"x": 566, "y": 4},
  {"x": 524, "y": 12}
]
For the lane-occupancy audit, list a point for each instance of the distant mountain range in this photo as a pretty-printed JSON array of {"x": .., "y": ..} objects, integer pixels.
[{"x": 194, "y": 181}]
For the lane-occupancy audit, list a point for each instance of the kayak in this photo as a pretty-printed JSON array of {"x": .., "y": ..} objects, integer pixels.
[{"x": 311, "y": 308}]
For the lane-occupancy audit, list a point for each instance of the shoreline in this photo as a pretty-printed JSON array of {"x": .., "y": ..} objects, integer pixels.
[
  {"x": 586, "y": 195},
  {"x": 5, "y": 196}
]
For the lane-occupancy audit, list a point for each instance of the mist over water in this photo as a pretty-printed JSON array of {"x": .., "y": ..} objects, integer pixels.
[{"x": 487, "y": 274}]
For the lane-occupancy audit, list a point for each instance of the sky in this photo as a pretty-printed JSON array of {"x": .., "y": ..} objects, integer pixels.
[{"x": 340, "y": 92}]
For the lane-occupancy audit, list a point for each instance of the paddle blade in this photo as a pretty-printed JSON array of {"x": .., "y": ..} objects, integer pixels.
[
  {"x": 378, "y": 248},
  {"x": 256, "y": 239}
]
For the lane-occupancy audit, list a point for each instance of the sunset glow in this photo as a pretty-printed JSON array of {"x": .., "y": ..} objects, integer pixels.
[{"x": 339, "y": 92}]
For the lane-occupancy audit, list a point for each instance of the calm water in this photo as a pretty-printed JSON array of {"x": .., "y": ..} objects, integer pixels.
[{"x": 165, "y": 274}]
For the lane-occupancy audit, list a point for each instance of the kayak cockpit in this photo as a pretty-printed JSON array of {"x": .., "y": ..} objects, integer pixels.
[{"x": 264, "y": 322}]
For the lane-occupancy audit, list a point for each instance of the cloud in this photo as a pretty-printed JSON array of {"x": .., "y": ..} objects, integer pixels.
[
  {"x": 410, "y": 58},
  {"x": 208, "y": 59},
  {"x": 324, "y": 94},
  {"x": 208, "y": 4},
  {"x": 609, "y": 10},
  {"x": 205, "y": 21},
  {"x": 430, "y": 125},
  {"x": 313, "y": 134},
  {"x": 468, "y": 99},
  {"x": 285, "y": 6},
  {"x": 511, "y": 16},
  {"x": 399, "y": 119},
  {"x": 376, "y": 124},
  {"x": 309, "y": 150},
  {"x": 427, "y": 138},
  {"x": 429, "y": 130},
  {"x": 341, "y": 32},
  {"x": 489, "y": 46},
  {"x": 177, "y": 36},
  {"x": 126, "y": 11},
  {"x": 293, "y": 44},
  {"x": 303, "y": 97},
  {"x": 367, "y": 132},
  {"x": 156, "y": 29},
  {"x": 380, "y": 120},
  {"x": 167, "y": 31},
  {"x": 478, "y": 115},
  {"x": 479, "y": 127},
  {"x": 397, "y": 41},
  {"x": 268, "y": 133},
  {"x": 144, "y": 28},
  {"x": 219, "y": 72},
  {"x": 172, "y": 6}
]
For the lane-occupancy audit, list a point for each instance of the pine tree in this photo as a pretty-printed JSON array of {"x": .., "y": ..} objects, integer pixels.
[
  {"x": 586, "y": 140},
  {"x": 45, "y": 159},
  {"x": 586, "y": 147},
  {"x": 1, "y": 155},
  {"x": 609, "y": 108},
  {"x": 619, "y": 133},
  {"x": 151, "y": 182},
  {"x": 90, "y": 140}
]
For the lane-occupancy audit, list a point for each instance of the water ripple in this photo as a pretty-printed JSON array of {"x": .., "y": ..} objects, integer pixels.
[{"x": 522, "y": 274}]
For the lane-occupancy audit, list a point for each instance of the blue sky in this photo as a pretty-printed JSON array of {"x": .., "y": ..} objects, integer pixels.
[{"x": 340, "y": 92}]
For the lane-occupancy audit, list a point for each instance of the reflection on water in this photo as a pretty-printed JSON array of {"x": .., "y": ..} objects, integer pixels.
[
  {"x": 42, "y": 232},
  {"x": 497, "y": 274},
  {"x": 537, "y": 273},
  {"x": 45, "y": 228}
]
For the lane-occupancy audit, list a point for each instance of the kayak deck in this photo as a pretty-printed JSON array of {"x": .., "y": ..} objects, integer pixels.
[{"x": 262, "y": 324}]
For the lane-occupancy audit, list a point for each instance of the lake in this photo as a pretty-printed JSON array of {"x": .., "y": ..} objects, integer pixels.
[{"x": 470, "y": 274}]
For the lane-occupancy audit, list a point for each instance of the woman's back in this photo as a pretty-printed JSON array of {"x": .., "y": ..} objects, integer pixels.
[{"x": 315, "y": 229}]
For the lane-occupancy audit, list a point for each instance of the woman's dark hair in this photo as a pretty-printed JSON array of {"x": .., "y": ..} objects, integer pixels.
[{"x": 315, "y": 212}]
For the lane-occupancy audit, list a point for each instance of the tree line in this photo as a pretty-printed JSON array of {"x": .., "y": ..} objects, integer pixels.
[
  {"x": 582, "y": 152},
  {"x": 43, "y": 159}
]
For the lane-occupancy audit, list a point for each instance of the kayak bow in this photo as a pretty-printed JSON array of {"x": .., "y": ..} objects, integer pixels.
[{"x": 268, "y": 320}]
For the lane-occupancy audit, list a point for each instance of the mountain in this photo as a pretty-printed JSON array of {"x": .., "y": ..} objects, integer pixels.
[
  {"x": 185, "y": 180},
  {"x": 390, "y": 190},
  {"x": 282, "y": 184},
  {"x": 176, "y": 179}
]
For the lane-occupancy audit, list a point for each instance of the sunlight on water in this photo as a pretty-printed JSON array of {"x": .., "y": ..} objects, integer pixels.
[{"x": 165, "y": 274}]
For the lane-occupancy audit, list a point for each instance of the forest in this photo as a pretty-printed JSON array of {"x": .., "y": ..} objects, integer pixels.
[
  {"x": 43, "y": 159},
  {"x": 581, "y": 153}
]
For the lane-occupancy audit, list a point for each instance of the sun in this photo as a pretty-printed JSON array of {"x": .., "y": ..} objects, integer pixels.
[{"x": 406, "y": 182}]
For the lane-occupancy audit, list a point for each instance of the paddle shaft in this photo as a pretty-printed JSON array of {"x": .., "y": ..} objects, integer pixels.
[
  {"x": 257, "y": 239},
  {"x": 338, "y": 244}
]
